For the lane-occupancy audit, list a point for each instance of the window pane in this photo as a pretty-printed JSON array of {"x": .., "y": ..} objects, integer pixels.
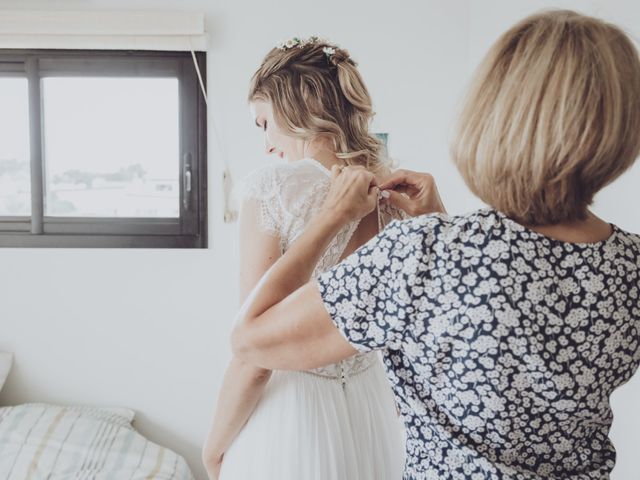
[
  {"x": 111, "y": 147},
  {"x": 15, "y": 182}
]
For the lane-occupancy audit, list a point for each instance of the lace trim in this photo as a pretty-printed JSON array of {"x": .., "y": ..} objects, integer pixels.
[
  {"x": 262, "y": 187},
  {"x": 347, "y": 368},
  {"x": 287, "y": 195}
]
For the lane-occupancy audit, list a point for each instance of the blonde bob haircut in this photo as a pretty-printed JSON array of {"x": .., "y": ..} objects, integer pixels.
[
  {"x": 552, "y": 116},
  {"x": 316, "y": 91}
]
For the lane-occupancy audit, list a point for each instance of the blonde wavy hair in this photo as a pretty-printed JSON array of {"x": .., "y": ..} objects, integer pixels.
[
  {"x": 315, "y": 94},
  {"x": 553, "y": 116}
]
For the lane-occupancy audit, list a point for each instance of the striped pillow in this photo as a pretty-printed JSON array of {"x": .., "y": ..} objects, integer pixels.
[{"x": 47, "y": 441}]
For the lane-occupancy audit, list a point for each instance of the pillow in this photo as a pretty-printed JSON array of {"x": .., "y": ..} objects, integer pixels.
[
  {"x": 80, "y": 442},
  {"x": 6, "y": 359},
  {"x": 111, "y": 414},
  {"x": 126, "y": 413}
]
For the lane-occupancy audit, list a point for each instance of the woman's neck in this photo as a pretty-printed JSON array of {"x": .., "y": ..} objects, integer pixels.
[{"x": 590, "y": 230}]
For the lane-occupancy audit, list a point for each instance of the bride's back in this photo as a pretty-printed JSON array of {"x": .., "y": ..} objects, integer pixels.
[
  {"x": 338, "y": 421},
  {"x": 291, "y": 193}
]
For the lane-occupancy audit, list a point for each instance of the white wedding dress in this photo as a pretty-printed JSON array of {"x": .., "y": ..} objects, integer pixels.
[{"x": 333, "y": 423}]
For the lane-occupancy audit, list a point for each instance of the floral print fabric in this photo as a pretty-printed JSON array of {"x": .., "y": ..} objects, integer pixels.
[{"x": 503, "y": 346}]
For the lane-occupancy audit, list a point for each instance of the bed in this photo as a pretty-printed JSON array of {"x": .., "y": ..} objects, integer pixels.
[{"x": 49, "y": 442}]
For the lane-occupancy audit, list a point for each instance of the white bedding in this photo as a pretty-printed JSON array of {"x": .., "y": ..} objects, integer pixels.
[{"x": 39, "y": 441}]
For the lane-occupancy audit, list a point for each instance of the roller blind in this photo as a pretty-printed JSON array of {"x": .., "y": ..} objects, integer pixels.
[{"x": 102, "y": 30}]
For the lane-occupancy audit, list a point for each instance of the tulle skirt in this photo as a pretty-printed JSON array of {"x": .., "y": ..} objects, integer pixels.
[{"x": 310, "y": 427}]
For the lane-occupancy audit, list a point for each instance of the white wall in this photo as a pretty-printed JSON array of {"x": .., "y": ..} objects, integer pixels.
[{"x": 149, "y": 329}]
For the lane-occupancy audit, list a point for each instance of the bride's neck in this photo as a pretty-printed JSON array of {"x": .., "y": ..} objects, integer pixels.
[
  {"x": 325, "y": 156},
  {"x": 328, "y": 159}
]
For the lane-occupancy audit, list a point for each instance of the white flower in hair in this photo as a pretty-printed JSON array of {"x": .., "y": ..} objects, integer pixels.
[
  {"x": 301, "y": 43},
  {"x": 308, "y": 41},
  {"x": 329, "y": 51},
  {"x": 287, "y": 44}
]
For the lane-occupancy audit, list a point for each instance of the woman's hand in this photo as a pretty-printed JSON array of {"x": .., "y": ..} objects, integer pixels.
[
  {"x": 353, "y": 193},
  {"x": 421, "y": 193}
]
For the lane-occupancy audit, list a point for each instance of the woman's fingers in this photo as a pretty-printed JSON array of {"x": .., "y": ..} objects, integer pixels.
[
  {"x": 421, "y": 192},
  {"x": 399, "y": 178},
  {"x": 353, "y": 193},
  {"x": 403, "y": 181}
]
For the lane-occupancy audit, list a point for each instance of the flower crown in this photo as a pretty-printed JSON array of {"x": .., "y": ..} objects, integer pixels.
[{"x": 301, "y": 43}]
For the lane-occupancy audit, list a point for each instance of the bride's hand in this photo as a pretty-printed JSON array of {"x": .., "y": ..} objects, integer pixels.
[
  {"x": 353, "y": 193},
  {"x": 217, "y": 468},
  {"x": 213, "y": 465}
]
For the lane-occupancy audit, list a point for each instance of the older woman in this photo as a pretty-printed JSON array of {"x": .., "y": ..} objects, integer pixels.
[{"x": 504, "y": 331}]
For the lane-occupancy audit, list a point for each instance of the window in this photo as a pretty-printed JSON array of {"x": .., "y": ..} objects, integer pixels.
[{"x": 102, "y": 149}]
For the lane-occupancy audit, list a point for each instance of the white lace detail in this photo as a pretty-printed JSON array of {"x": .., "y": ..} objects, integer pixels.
[
  {"x": 289, "y": 195},
  {"x": 388, "y": 212},
  {"x": 262, "y": 186}
]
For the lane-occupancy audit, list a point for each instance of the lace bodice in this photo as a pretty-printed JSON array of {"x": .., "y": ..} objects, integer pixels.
[{"x": 289, "y": 194}]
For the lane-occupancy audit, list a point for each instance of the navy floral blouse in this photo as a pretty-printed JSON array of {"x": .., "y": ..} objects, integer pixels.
[{"x": 503, "y": 346}]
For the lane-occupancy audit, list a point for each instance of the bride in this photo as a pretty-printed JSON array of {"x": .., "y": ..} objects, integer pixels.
[{"x": 337, "y": 422}]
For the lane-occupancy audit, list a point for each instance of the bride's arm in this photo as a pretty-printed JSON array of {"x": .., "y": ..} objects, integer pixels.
[{"x": 243, "y": 383}]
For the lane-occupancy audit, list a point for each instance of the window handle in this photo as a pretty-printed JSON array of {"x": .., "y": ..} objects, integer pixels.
[{"x": 186, "y": 178}]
